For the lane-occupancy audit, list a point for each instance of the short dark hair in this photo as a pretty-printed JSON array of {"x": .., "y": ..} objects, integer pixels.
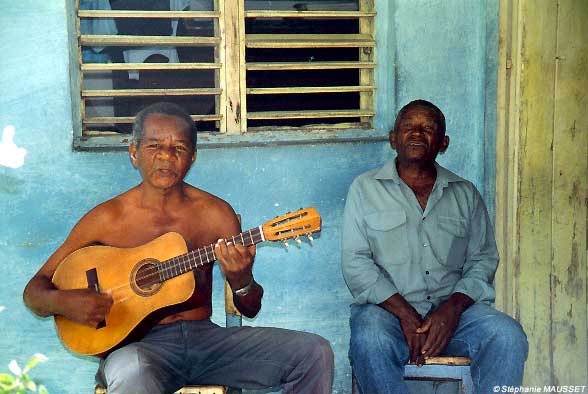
[
  {"x": 439, "y": 117},
  {"x": 163, "y": 108}
]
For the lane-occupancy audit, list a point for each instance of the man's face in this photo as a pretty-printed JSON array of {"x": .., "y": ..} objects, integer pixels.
[
  {"x": 417, "y": 138},
  {"x": 165, "y": 153}
]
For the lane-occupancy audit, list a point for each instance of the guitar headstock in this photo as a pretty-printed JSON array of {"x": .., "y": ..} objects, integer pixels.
[{"x": 292, "y": 225}]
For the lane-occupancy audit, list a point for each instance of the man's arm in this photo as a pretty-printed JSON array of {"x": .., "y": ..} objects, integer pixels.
[
  {"x": 237, "y": 264},
  {"x": 84, "y": 306},
  {"x": 367, "y": 283},
  {"x": 365, "y": 280}
]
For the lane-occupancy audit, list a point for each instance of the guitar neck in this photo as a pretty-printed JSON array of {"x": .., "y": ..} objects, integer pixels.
[{"x": 181, "y": 264}]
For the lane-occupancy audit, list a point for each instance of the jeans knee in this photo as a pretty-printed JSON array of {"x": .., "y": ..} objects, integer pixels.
[
  {"x": 508, "y": 336},
  {"x": 373, "y": 332},
  {"x": 516, "y": 338},
  {"x": 124, "y": 369}
]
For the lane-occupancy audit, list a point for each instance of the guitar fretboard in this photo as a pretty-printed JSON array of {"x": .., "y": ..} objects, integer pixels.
[{"x": 197, "y": 258}]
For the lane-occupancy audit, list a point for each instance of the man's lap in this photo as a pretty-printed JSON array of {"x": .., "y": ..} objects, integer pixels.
[
  {"x": 201, "y": 352},
  {"x": 476, "y": 323}
]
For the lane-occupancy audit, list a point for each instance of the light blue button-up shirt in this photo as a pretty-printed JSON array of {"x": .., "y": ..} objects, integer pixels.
[{"x": 390, "y": 245}]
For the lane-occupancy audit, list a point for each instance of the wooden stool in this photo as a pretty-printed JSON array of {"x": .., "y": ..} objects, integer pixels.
[{"x": 439, "y": 369}]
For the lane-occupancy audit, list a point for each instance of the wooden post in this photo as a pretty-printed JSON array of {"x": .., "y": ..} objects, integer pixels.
[{"x": 542, "y": 183}]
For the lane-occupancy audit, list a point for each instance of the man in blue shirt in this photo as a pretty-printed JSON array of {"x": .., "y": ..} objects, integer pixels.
[{"x": 419, "y": 257}]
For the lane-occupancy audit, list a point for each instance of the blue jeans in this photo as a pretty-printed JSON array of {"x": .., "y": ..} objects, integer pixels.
[
  {"x": 494, "y": 341},
  {"x": 173, "y": 355}
]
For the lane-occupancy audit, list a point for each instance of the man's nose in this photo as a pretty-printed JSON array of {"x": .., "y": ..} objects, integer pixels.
[{"x": 165, "y": 153}]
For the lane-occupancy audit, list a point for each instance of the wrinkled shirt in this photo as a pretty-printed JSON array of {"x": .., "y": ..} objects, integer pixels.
[{"x": 390, "y": 245}]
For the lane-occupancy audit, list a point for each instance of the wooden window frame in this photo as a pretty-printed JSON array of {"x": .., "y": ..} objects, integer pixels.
[{"x": 230, "y": 43}]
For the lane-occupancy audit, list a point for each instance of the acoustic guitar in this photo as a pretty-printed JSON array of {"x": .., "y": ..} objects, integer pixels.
[{"x": 150, "y": 277}]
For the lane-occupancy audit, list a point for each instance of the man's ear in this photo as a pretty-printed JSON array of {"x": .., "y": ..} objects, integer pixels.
[
  {"x": 392, "y": 139},
  {"x": 194, "y": 156},
  {"x": 444, "y": 144},
  {"x": 133, "y": 154}
]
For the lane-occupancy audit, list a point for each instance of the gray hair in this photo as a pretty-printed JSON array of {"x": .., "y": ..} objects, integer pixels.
[{"x": 163, "y": 108}]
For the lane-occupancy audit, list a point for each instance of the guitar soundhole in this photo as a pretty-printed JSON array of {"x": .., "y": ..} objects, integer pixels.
[{"x": 145, "y": 279}]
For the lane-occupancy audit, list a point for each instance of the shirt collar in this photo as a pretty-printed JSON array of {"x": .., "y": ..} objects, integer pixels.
[{"x": 389, "y": 171}]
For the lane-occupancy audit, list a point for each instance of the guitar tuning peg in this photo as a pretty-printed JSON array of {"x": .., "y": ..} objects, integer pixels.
[
  {"x": 310, "y": 239},
  {"x": 285, "y": 244},
  {"x": 298, "y": 241}
]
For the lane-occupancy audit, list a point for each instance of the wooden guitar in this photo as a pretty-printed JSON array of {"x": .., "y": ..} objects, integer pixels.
[{"x": 147, "y": 278}]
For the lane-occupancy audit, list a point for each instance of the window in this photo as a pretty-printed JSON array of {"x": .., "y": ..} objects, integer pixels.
[{"x": 238, "y": 66}]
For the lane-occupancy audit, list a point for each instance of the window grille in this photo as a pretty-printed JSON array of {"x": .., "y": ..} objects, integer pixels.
[{"x": 236, "y": 65}]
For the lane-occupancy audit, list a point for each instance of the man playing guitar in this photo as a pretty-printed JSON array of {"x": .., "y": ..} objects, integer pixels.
[{"x": 184, "y": 347}]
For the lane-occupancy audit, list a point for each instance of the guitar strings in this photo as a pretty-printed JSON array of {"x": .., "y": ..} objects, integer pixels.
[{"x": 172, "y": 265}]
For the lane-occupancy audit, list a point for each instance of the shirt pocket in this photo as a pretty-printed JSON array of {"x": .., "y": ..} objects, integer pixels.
[
  {"x": 452, "y": 241},
  {"x": 387, "y": 237}
]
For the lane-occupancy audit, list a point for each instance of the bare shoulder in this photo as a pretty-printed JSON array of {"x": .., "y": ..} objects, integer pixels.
[
  {"x": 89, "y": 230},
  {"x": 203, "y": 199},
  {"x": 213, "y": 209}
]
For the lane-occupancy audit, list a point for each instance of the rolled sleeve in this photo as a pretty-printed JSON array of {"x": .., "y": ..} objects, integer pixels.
[
  {"x": 482, "y": 258},
  {"x": 366, "y": 281}
]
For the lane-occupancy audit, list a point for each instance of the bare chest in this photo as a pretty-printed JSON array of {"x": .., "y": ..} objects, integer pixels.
[{"x": 138, "y": 229}]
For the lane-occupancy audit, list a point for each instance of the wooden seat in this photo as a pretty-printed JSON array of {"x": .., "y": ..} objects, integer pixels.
[{"x": 439, "y": 369}]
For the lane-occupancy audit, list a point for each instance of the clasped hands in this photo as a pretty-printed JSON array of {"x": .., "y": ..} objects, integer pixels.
[{"x": 427, "y": 338}]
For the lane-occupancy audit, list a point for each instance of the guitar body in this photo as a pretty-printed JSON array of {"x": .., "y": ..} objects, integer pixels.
[
  {"x": 123, "y": 272},
  {"x": 150, "y": 277}
]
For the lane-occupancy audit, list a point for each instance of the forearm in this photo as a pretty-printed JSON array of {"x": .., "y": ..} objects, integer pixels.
[
  {"x": 459, "y": 302},
  {"x": 41, "y": 297},
  {"x": 399, "y": 307}
]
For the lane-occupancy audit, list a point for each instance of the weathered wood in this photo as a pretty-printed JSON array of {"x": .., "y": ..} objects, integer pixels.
[
  {"x": 366, "y": 76},
  {"x": 220, "y": 79},
  {"x": 309, "y": 14},
  {"x": 122, "y": 40},
  {"x": 542, "y": 183},
  {"x": 146, "y": 14},
  {"x": 570, "y": 196},
  {"x": 507, "y": 157},
  {"x": 150, "y": 92},
  {"x": 131, "y": 119},
  {"x": 310, "y": 89},
  {"x": 309, "y": 114},
  {"x": 149, "y": 66},
  {"x": 538, "y": 21},
  {"x": 309, "y": 41},
  {"x": 235, "y": 105},
  {"x": 277, "y": 66}
]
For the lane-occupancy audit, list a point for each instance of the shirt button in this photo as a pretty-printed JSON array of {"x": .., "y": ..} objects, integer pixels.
[
  {"x": 428, "y": 297},
  {"x": 425, "y": 245},
  {"x": 427, "y": 272}
]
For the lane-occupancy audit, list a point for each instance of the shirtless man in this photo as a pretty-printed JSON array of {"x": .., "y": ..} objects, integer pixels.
[{"x": 185, "y": 347}]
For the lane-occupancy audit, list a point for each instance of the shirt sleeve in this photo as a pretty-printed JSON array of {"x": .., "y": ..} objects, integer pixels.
[
  {"x": 366, "y": 281},
  {"x": 481, "y": 257}
]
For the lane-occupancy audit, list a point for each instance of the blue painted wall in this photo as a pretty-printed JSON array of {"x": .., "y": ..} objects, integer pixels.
[{"x": 444, "y": 51}]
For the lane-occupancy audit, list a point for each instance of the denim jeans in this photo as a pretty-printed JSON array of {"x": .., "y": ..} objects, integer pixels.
[
  {"x": 200, "y": 352},
  {"x": 494, "y": 341}
]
